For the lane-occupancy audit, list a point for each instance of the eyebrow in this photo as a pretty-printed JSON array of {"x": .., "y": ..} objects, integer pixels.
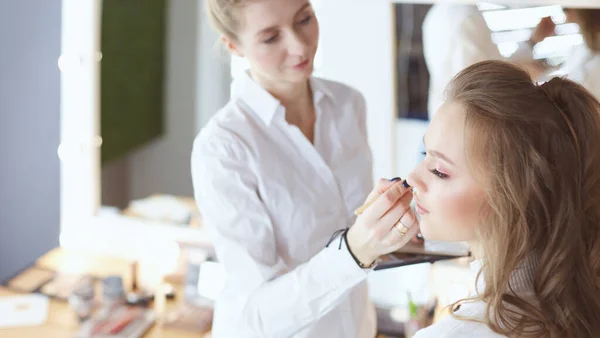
[
  {"x": 262, "y": 31},
  {"x": 439, "y": 155}
]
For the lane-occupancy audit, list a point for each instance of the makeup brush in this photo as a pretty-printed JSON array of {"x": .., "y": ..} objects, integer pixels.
[{"x": 368, "y": 203}]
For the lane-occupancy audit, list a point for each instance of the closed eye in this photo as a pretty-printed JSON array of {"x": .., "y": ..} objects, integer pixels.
[
  {"x": 272, "y": 39},
  {"x": 305, "y": 20},
  {"x": 439, "y": 174}
]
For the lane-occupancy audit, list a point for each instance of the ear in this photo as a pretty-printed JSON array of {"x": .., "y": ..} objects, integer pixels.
[{"x": 231, "y": 46}]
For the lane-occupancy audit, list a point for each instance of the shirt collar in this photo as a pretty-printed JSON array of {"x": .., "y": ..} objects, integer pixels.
[
  {"x": 266, "y": 105},
  {"x": 320, "y": 90}
]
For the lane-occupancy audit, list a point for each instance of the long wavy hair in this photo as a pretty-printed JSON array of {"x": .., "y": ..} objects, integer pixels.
[{"x": 536, "y": 151}]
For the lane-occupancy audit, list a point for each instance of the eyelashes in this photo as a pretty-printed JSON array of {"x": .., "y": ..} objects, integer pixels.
[
  {"x": 275, "y": 37},
  {"x": 438, "y": 174},
  {"x": 271, "y": 40},
  {"x": 306, "y": 20}
]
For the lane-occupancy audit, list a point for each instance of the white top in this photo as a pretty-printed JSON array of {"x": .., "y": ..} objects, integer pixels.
[
  {"x": 450, "y": 327},
  {"x": 583, "y": 67},
  {"x": 273, "y": 200},
  {"x": 454, "y": 37}
]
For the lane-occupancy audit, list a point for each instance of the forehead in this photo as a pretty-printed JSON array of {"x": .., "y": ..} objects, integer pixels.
[
  {"x": 446, "y": 132},
  {"x": 260, "y": 14}
]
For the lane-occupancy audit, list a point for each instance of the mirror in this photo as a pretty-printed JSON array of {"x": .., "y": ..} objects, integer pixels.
[
  {"x": 509, "y": 25},
  {"x": 149, "y": 106},
  {"x": 141, "y": 106},
  {"x": 137, "y": 89}
]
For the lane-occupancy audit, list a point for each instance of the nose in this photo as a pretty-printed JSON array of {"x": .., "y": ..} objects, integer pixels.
[
  {"x": 415, "y": 178},
  {"x": 297, "y": 45}
]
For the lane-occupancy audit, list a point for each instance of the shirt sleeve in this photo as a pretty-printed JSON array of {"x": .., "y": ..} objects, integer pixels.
[
  {"x": 361, "y": 109},
  {"x": 276, "y": 301}
]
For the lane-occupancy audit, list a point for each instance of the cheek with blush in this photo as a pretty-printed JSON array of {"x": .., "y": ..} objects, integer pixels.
[
  {"x": 454, "y": 218},
  {"x": 267, "y": 60}
]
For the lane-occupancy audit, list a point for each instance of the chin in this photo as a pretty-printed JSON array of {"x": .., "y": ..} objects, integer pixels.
[
  {"x": 429, "y": 232},
  {"x": 442, "y": 231},
  {"x": 300, "y": 75},
  {"x": 425, "y": 230}
]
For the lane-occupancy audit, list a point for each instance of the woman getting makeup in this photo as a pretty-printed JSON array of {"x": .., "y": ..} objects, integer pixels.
[{"x": 513, "y": 168}]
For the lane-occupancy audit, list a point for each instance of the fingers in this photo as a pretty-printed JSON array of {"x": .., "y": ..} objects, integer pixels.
[
  {"x": 381, "y": 187},
  {"x": 409, "y": 218},
  {"x": 399, "y": 233},
  {"x": 401, "y": 209},
  {"x": 388, "y": 202},
  {"x": 397, "y": 241},
  {"x": 403, "y": 224}
]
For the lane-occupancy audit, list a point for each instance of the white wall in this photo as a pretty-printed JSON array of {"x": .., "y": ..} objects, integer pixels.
[
  {"x": 409, "y": 142},
  {"x": 163, "y": 165},
  {"x": 357, "y": 48},
  {"x": 213, "y": 74}
]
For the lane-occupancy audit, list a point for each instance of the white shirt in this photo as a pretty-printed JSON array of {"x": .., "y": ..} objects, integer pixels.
[
  {"x": 455, "y": 37},
  {"x": 583, "y": 67},
  {"x": 273, "y": 200},
  {"x": 449, "y": 327}
]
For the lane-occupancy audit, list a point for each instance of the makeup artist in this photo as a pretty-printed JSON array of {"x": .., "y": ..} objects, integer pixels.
[{"x": 277, "y": 174}]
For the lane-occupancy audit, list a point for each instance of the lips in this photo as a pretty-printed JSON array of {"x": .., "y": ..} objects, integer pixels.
[
  {"x": 301, "y": 65},
  {"x": 419, "y": 209}
]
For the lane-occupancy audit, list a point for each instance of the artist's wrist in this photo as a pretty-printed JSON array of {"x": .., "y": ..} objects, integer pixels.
[{"x": 362, "y": 258}]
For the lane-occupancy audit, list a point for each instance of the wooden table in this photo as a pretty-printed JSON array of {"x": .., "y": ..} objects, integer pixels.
[{"x": 61, "y": 321}]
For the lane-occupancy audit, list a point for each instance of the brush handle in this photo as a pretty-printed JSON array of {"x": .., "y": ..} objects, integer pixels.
[{"x": 364, "y": 207}]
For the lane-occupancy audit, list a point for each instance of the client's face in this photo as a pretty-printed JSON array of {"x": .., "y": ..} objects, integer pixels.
[{"x": 449, "y": 200}]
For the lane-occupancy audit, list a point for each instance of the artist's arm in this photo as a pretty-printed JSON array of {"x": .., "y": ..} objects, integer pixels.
[{"x": 277, "y": 302}]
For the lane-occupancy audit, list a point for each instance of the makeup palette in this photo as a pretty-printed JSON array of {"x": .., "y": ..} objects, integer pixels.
[{"x": 426, "y": 252}]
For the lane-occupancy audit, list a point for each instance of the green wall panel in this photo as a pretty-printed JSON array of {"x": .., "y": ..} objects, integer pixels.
[{"x": 131, "y": 75}]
